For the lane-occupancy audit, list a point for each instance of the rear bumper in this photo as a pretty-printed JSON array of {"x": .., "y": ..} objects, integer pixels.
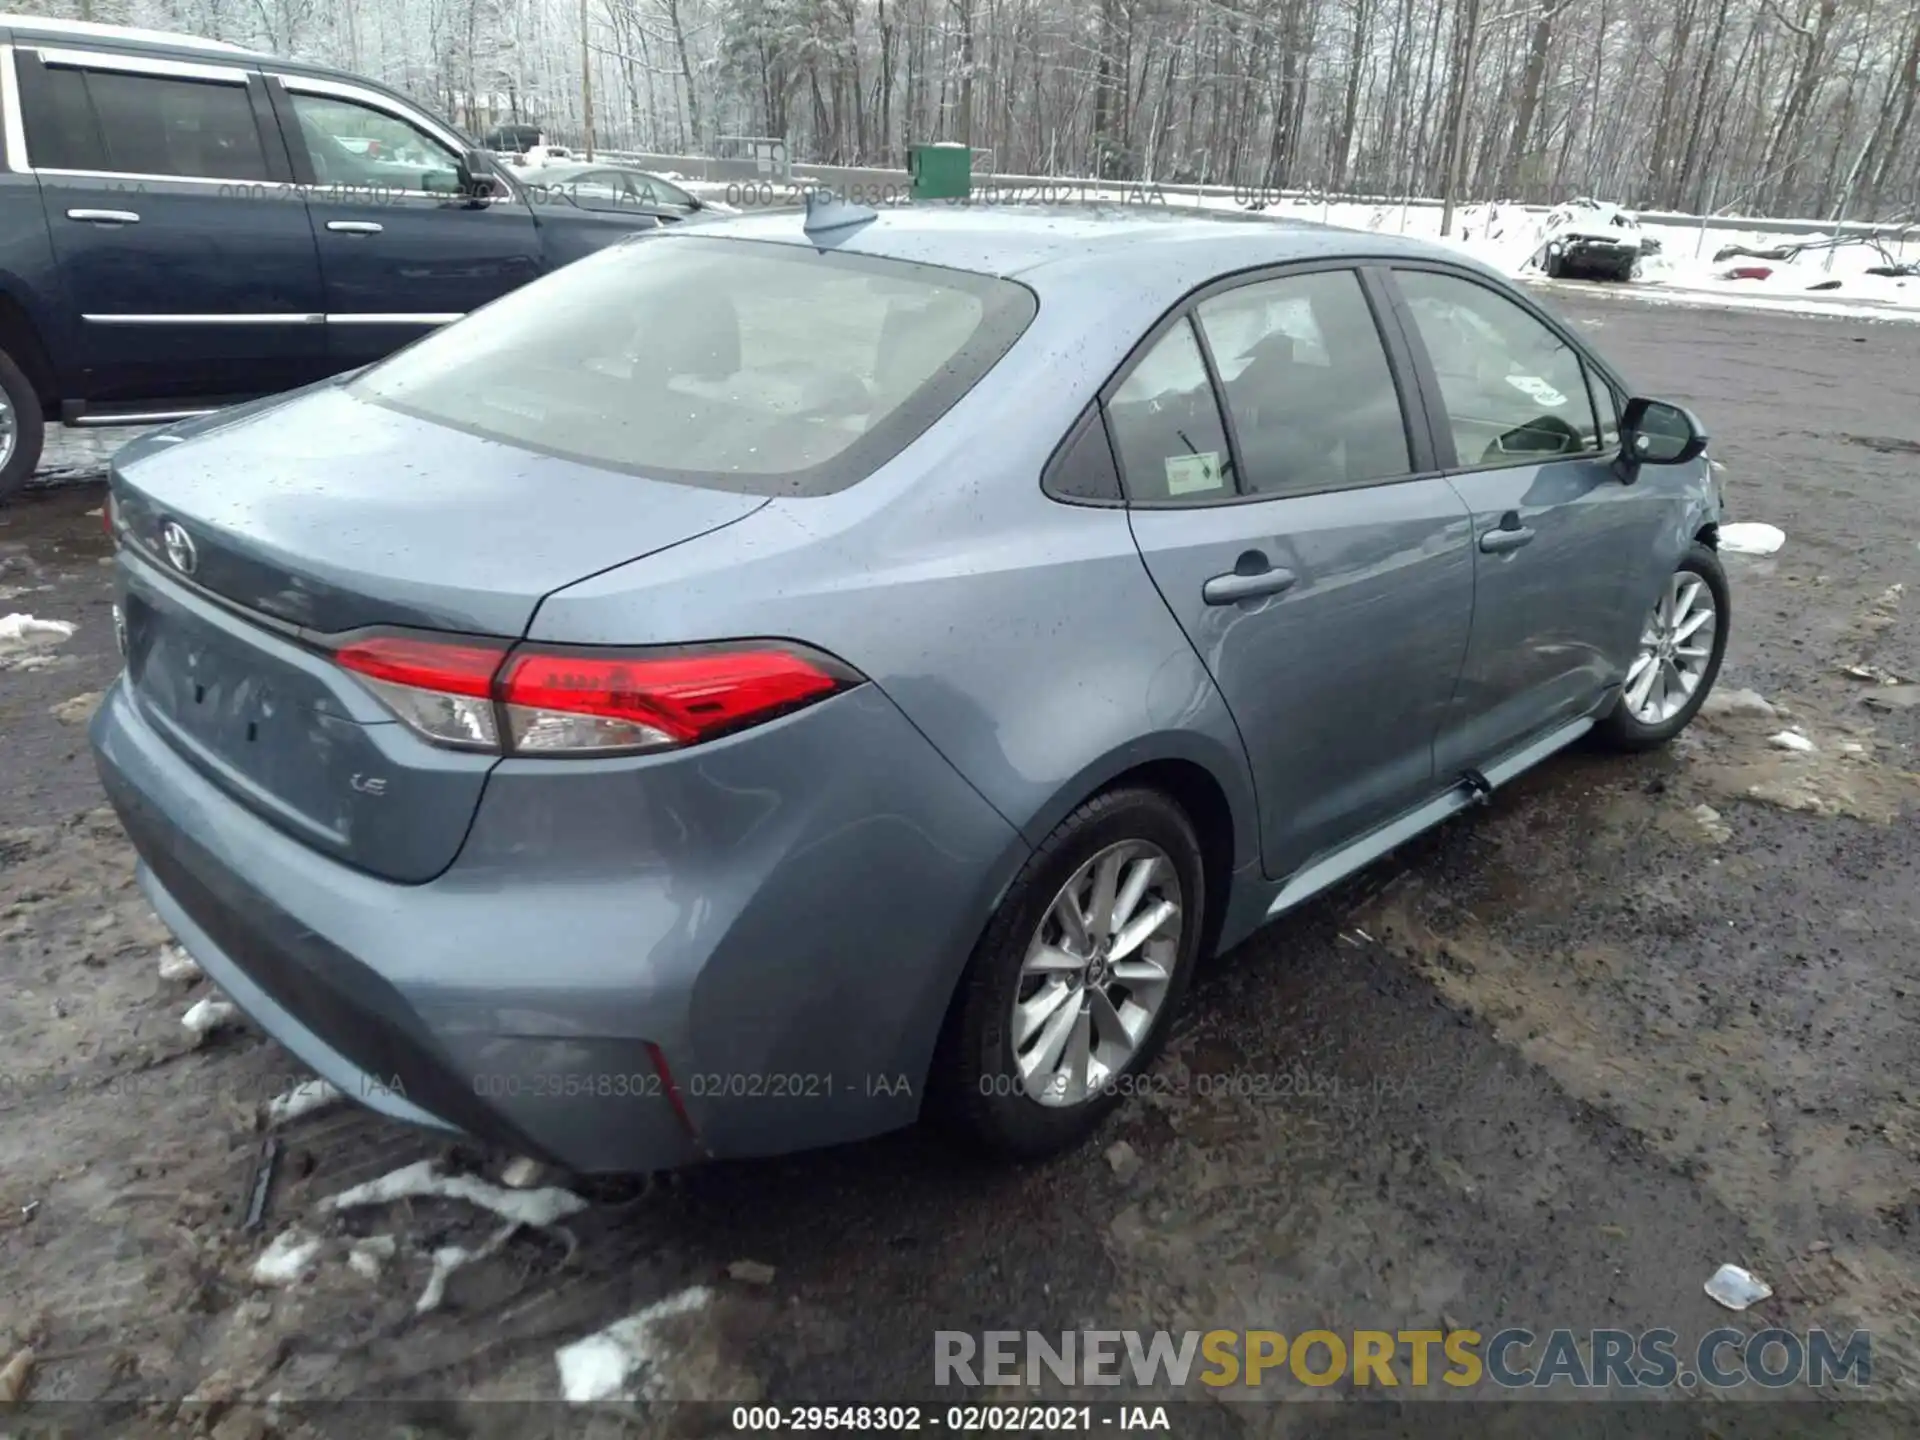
[{"x": 782, "y": 916}]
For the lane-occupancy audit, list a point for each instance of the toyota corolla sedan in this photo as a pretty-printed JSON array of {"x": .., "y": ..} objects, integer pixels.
[{"x": 771, "y": 680}]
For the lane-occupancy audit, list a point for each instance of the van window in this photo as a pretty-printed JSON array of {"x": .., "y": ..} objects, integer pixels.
[{"x": 128, "y": 124}]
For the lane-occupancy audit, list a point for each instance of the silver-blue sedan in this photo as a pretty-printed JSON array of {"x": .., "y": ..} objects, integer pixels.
[{"x": 778, "y": 676}]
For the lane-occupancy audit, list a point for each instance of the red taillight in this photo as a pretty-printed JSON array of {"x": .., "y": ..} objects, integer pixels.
[
  {"x": 442, "y": 688},
  {"x": 669, "y": 699},
  {"x": 454, "y": 668},
  {"x": 476, "y": 694}
]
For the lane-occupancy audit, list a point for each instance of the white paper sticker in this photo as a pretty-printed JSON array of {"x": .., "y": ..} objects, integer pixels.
[
  {"x": 1189, "y": 473},
  {"x": 1539, "y": 389}
]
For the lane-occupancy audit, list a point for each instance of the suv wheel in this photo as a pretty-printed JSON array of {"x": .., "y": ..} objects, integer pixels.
[
  {"x": 22, "y": 428},
  {"x": 1681, "y": 644},
  {"x": 1071, "y": 989}
]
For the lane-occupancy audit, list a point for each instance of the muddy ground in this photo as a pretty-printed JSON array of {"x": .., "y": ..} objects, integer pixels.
[{"x": 1551, "y": 1065}]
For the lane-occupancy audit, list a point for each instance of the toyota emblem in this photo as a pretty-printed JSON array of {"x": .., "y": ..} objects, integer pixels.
[{"x": 179, "y": 546}]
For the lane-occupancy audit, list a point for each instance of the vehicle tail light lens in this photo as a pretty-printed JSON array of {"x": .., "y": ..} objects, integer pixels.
[
  {"x": 443, "y": 689},
  {"x": 576, "y": 700},
  {"x": 556, "y": 701}
]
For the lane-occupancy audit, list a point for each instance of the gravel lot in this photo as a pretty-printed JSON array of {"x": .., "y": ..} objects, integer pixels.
[{"x": 1551, "y": 1065}]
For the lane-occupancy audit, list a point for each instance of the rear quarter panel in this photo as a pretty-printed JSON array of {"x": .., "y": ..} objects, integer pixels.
[{"x": 1020, "y": 634}]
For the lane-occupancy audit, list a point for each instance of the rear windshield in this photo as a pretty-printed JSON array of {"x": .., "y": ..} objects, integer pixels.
[{"x": 737, "y": 364}]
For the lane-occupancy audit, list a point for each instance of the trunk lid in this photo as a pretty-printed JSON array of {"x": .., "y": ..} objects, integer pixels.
[
  {"x": 329, "y": 514},
  {"x": 332, "y": 513}
]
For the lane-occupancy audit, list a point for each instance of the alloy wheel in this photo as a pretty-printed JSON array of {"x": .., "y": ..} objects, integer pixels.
[
  {"x": 1096, "y": 973},
  {"x": 1676, "y": 646}
]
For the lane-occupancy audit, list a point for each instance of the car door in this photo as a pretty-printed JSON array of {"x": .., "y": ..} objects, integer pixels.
[
  {"x": 182, "y": 244},
  {"x": 1554, "y": 528},
  {"x": 401, "y": 250},
  {"x": 1322, "y": 572}
]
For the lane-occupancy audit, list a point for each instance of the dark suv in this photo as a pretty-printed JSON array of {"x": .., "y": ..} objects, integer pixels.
[{"x": 185, "y": 224}]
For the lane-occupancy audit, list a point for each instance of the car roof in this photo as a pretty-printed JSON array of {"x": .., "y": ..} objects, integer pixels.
[
  {"x": 130, "y": 34},
  {"x": 168, "y": 43},
  {"x": 1136, "y": 241}
]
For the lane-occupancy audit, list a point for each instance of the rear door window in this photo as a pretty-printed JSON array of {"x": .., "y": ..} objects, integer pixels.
[
  {"x": 1313, "y": 401},
  {"x": 129, "y": 124},
  {"x": 744, "y": 365}
]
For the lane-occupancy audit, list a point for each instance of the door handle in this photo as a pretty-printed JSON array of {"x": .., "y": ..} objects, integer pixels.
[
  {"x": 105, "y": 217},
  {"x": 1238, "y": 585},
  {"x": 353, "y": 227},
  {"x": 1505, "y": 538}
]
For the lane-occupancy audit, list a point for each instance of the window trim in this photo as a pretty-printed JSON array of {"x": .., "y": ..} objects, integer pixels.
[
  {"x": 1422, "y": 456},
  {"x": 292, "y": 84},
  {"x": 282, "y": 86},
  {"x": 1439, "y": 422}
]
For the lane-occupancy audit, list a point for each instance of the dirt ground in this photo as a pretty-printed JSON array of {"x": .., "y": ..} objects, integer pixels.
[{"x": 1551, "y": 1065}]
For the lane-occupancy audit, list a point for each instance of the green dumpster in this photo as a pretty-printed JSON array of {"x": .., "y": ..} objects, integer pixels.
[{"x": 941, "y": 172}]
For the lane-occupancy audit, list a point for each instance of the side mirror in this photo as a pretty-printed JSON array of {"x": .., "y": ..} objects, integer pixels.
[
  {"x": 1654, "y": 432},
  {"x": 476, "y": 175}
]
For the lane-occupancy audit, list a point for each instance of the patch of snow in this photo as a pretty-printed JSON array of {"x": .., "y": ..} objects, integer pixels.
[
  {"x": 18, "y": 629},
  {"x": 598, "y": 1367},
  {"x": 302, "y": 1099},
  {"x": 1791, "y": 740},
  {"x": 1750, "y": 537},
  {"x": 522, "y": 1173},
  {"x": 208, "y": 1015},
  {"x": 287, "y": 1259},
  {"x": 449, "y": 1258},
  {"x": 369, "y": 1256},
  {"x": 538, "y": 1208},
  {"x": 177, "y": 964}
]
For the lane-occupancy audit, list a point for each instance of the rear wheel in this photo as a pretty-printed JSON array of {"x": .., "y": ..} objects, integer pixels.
[
  {"x": 22, "y": 428},
  {"x": 1682, "y": 641},
  {"x": 1072, "y": 987}
]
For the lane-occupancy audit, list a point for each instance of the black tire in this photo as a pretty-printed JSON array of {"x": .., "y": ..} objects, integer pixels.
[
  {"x": 29, "y": 429},
  {"x": 1556, "y": 265},
  {"x": 1619, "y": 730},
  {"x": 974, "y": 1071}
]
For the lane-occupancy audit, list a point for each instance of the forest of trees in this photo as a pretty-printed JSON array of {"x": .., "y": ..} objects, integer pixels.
[{"x": 1782, "y": 107}]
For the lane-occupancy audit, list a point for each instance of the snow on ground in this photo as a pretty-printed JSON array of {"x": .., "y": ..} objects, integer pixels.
[
  {"x": 1507, "y": 236},
  {"x": 538, "y": 1208},
  {"x": 1830, "y": 282},
  {"x": 302, "y": 1099},
  {"x": 1751, "y": 537},
  {"x": 287, "y": 1259},
  {"x": 599, "y": 1366}
]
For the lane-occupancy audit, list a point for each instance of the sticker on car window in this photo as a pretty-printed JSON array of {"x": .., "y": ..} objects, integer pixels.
[
  {"x": 1187, "y": 474},
  {"x": 1538, "y": 389}
]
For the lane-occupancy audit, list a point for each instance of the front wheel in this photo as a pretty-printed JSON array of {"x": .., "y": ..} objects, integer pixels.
[
  {"x": 1681, "y": 645},
  {"x": 22, "y": 428},
  {"x": 1067, "y": 999}
]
